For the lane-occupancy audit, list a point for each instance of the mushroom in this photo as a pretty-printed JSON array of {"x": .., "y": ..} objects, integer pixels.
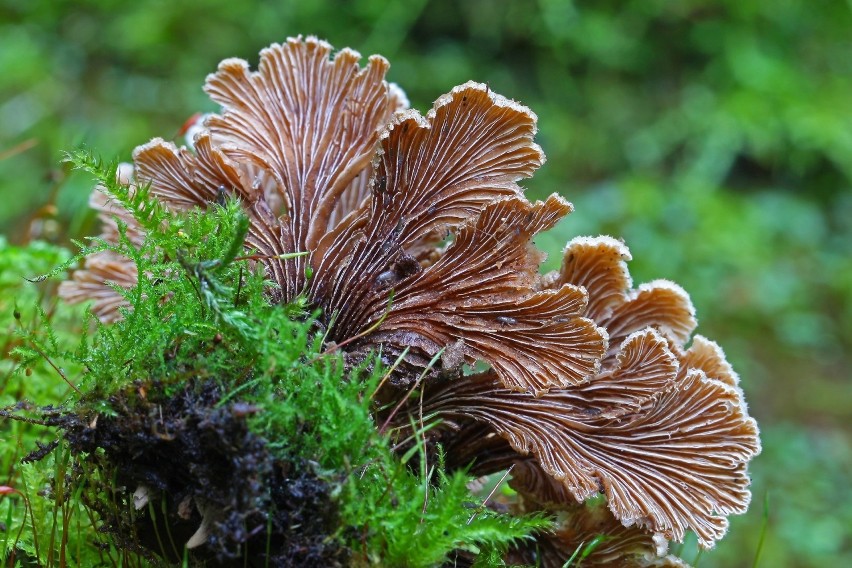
[
  {"x": 208, "y": 514},
  {"x": 335, "y": 134},
  {"x": 590, "y": 384},
  {"x": 662, "y": 431},
  {"x": 141, "y": 497},
  {"x": 105, "y": 268},
  {"x": 593, "y": 532}
]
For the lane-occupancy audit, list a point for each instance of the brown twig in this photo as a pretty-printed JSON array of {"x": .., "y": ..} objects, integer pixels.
[{"x": 57, "y": 369}]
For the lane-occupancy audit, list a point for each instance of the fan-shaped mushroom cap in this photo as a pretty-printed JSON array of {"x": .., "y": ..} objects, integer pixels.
[
  {"x": 431, "y": 174},
  {"x": 481, "y": 293},
  {"x": 598, "y": 264},
  {"x": 104, "y": 270},
  {"x": 309, "y": 120},
  {"x": 94, "y": 282}
]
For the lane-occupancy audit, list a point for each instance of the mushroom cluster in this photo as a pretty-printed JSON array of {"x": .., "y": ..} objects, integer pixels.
[{"x": 419, "y": 246}]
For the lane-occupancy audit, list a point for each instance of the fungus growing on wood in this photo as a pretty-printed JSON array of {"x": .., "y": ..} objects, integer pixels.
[{"x": 417, "y": 243}]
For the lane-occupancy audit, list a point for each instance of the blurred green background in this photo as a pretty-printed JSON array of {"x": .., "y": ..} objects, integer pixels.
[{"x": 715, "y": 137}]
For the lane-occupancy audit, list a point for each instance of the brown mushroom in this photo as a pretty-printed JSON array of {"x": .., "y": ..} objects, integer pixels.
[
  {"x": 663, "y": 432},
  {"x": 591, "y": 532},
  {"x": 591, "y": 388},
  {"x": 302, "y": 131},
  {"x": 481, "y": 293},
  {"x": 104, "y": 270}
]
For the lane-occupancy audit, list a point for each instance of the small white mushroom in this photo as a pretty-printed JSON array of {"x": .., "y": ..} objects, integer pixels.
[
  {"x": 140, "y": 497},
  {"x": 199, "y": 537}
]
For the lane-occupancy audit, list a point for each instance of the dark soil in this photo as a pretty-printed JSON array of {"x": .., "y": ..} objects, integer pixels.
[{"x": 184, "y": 454}]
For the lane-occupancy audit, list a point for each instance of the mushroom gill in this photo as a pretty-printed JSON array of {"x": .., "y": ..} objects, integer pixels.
[{"x": 591, "y": 532}]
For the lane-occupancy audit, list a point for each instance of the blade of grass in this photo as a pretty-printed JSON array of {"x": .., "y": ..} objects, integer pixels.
[
  {"x": 574, "y": 556},
  {"x": 763, "y": 530},
  {"x": 165, "y": 512},
  {"x": 154, "y": 522},
  {"x": 29, "y": 507}
]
